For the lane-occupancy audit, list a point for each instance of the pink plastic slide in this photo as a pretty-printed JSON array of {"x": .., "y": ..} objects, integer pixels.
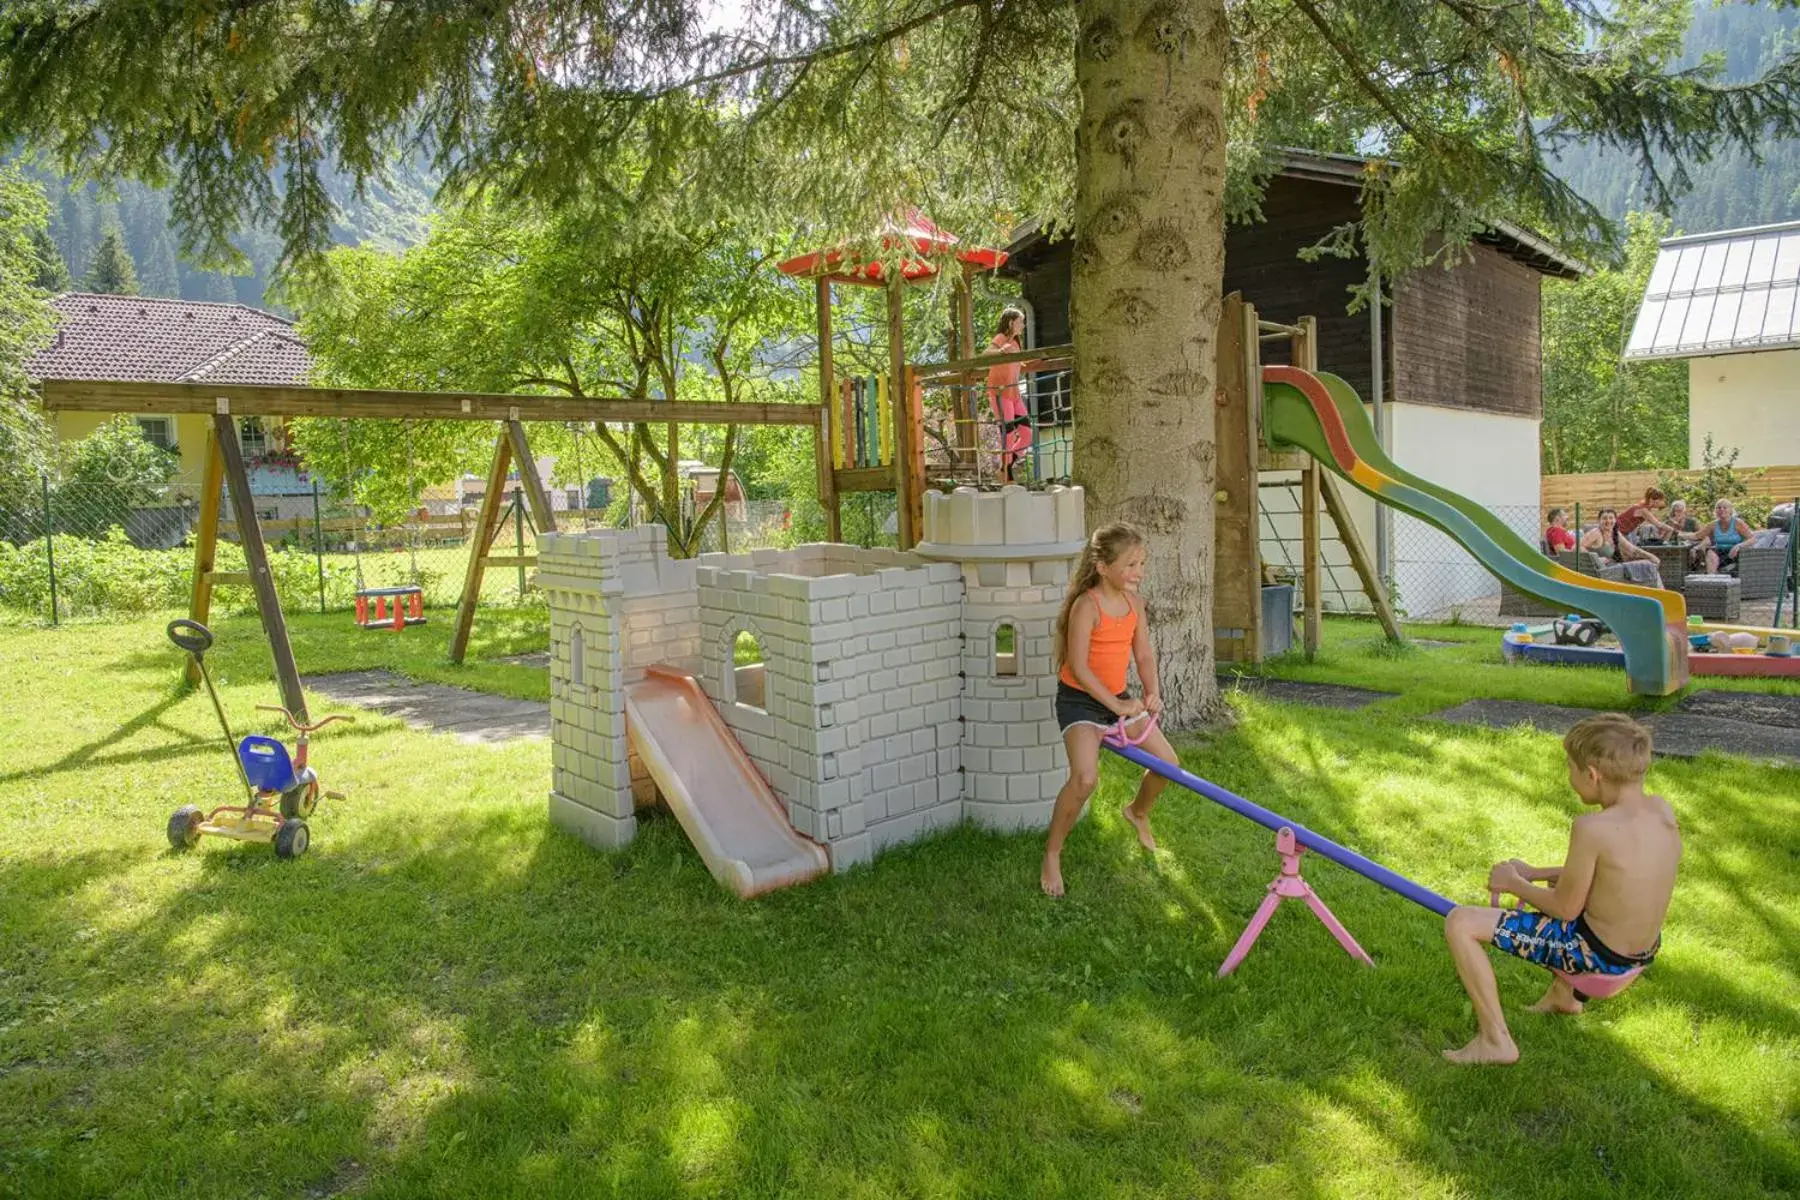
[{"x": 716, "y": 792}]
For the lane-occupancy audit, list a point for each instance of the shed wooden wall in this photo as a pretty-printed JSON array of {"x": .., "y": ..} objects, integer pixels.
[
  {"x": 1468, "y": 338},
  {"x": 1262, "y": 262}
]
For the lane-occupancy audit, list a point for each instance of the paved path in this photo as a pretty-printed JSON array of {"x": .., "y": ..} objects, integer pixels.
[
  {"x": 1755, "y": 726},
  {"x": 471, "y": 716},
  {"x": 1293, "y": 691}
]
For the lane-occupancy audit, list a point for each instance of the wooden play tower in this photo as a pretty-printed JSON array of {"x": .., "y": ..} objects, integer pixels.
[
  {"x": 1245, "y": 462},
  {"x": 912, "y": 250}
]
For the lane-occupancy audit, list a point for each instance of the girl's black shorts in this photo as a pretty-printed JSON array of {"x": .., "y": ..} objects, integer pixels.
[{"x": 1074, "y": 706}]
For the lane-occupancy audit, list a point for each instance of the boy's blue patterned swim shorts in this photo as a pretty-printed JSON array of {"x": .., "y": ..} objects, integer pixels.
[{"x": 1562, "y": 945}]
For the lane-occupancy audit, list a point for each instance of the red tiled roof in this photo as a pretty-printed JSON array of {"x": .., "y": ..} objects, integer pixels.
[{"x": 169, "y": 341}]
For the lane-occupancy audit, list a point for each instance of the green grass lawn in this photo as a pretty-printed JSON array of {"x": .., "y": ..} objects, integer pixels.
[{"x": 448, "y": 998}]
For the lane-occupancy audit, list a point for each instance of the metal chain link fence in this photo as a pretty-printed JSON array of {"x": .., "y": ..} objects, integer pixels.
[
  {"x": 1436, "y": 580},
  {"x": 83, "y": 548}
]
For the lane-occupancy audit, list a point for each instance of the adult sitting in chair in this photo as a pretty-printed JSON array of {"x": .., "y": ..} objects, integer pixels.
[
  {"x": 1684, "y": 528},
  {"x": 1724, "y": 538},
  {"x": 1557, "y": 537},
  {"x": 1609, "y": 542}
]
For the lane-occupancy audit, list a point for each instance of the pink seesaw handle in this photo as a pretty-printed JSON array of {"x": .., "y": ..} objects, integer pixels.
[{"x": 1120, "y": 735}]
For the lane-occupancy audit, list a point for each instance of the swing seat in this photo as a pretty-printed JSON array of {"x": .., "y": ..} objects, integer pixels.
[
  {"x": 1598, "y": 987},
  {"x": 408, "y": 607}
]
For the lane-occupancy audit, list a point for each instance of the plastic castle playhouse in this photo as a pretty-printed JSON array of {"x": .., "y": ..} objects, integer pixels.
[{"x": 899, "y": 693}]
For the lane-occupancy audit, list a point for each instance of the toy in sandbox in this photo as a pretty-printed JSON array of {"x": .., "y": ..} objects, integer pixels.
[
  {"x": 280, "y": 792},
  {"x": 1713, "y": 649}
]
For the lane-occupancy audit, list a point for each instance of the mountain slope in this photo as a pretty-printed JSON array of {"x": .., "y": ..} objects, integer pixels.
[
  {"x": 1730, "y": 191},
  {"x": 392, "y": 216}
]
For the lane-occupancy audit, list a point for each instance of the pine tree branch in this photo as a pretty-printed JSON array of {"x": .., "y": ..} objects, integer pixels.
[
  {"x": 872, "y": 40},
  {"x": 1361, "y": 72}
]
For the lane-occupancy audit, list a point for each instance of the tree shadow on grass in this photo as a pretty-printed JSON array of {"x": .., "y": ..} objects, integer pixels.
[
  {"x": 89, "y": 754},
  {"x": 473, "y": 1004}
]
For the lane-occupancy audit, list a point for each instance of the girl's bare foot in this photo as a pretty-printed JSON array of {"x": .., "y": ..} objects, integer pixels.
[
  {"x": 1483, "y": 1051},
  {"x": 1146, "y": 839},
  {"x": 1050, "y": 879},
  {"x": 1560, "y": 998}
]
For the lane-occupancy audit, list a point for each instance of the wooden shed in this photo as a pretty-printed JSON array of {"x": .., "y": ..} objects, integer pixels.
[{"x": 1460, "y": 349}]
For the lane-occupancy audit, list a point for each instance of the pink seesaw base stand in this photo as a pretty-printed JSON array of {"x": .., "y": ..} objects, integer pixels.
[{"x": 1288, "y": 885}]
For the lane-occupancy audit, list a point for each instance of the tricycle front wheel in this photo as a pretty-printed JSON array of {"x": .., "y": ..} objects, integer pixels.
[{"x": 302, "y": 798}]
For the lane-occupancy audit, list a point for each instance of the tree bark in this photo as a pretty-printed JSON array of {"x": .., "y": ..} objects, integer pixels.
[{"x": 1149, "y": 260}]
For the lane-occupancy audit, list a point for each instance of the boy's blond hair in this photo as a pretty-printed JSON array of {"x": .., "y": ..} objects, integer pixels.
[{"x": 1613, "y": 744}]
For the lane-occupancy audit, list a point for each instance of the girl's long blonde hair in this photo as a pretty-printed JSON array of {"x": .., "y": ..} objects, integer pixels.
[{"x": 1105, "y": 547}]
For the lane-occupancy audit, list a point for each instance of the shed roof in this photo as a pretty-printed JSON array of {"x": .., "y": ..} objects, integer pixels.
[
  {"x": 1728, "y": 292},
  {"x": 168, "y": 341}
]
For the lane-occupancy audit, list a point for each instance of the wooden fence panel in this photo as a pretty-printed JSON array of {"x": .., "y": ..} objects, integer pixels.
[{"x": 1616, "y": 489}]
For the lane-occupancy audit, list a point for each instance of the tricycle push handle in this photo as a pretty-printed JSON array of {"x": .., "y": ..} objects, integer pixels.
[
  {"x": 191, "y": 636},
  {"x": 298, "y": 727}
]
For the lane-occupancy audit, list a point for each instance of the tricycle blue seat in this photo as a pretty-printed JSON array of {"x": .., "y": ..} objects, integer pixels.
[{"x": 267, "y": 764}]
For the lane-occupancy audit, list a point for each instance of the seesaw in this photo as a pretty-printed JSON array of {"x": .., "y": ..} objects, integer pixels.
[{"x": 1293, "y": 839}]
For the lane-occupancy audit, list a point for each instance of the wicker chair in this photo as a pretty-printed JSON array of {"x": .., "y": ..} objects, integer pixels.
[
  {"x": 1588, "y": 563},
  {"x": 1514, "y": 603},
  {"x": 1760, "y": 570}
]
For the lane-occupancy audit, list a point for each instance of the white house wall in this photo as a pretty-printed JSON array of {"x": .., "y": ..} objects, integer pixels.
[
  {"x": 1489, "y": 458},
  {"x": 1747, "y": 402}
]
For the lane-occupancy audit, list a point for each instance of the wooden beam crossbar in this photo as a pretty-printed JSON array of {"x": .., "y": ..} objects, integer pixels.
[
  {"x": 1052, "y": 356},
  {"x": 73, "y": 395},
  {"x": 864, "y": 479}
]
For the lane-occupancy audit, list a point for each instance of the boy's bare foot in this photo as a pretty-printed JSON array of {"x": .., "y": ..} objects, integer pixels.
[
  {"x": 1050, "y": 879},
  {"x": 1558, "y": 999},
  {"x": 1482, "y": 1051},
  {"x": 1146, "y": 839}
]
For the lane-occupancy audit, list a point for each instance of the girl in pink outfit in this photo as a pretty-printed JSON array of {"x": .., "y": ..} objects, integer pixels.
[{"x": 1005, "y": 397}]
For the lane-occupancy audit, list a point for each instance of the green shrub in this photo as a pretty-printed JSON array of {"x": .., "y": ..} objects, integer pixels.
[
  {"x": 1718, "y": 478},
  {"x": 107, "y": 574}
]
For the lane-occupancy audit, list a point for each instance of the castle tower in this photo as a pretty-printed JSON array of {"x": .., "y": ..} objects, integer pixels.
[{"x": 1016, "y": 549}]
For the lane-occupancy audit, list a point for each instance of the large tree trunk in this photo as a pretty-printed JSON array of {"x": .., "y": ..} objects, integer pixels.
[{"x": 1149, "y": 259}]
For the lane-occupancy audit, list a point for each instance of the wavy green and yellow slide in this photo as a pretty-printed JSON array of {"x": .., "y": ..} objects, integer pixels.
[{"x": 1322, "y": 415}]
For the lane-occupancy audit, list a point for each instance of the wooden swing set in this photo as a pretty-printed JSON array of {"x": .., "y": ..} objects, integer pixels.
[{"x": 225, "y": 470}]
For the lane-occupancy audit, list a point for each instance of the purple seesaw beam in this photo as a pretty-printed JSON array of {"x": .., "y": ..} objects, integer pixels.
[{"x": 1324, "y": 846}]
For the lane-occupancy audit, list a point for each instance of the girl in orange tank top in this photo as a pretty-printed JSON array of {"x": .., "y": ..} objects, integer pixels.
[{"x": 1099, "y": 634}]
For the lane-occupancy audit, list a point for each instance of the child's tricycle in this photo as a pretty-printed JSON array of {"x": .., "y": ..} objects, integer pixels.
[{"x": 282, "y": 792}]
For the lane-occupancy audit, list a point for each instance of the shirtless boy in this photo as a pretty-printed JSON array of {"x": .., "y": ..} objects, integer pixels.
[{"x": 1602, "y": 911}]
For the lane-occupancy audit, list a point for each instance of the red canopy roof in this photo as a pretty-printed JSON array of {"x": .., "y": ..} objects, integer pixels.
[{"x": 913, "y": 231}]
